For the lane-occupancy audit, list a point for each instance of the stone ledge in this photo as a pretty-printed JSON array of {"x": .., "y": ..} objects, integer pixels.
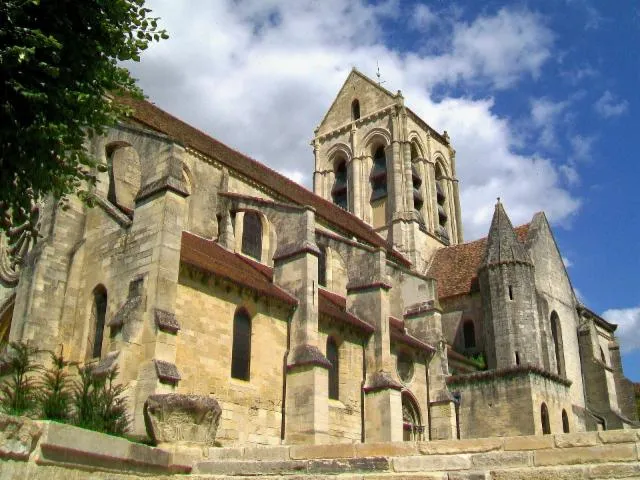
[
  {"x": 582, "y": 439},
  {"x": 585, "y": 455},
  {"x": 66, "y": 445}
]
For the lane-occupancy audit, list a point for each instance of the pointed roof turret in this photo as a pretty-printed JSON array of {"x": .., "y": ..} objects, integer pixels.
[{"x": 502, "y": 242}]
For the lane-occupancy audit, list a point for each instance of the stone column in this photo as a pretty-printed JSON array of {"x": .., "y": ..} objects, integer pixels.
[
  {"x": 356, "y": 191},
  {"x": 296, "y": 270},
  {"x": 369, "y": 299}
]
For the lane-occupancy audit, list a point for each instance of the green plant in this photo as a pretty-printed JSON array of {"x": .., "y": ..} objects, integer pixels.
[
  {"x": 18, "y": 391},
  {"x": 55, "y": 389},
  {"x": 100, "y": 403},
  {"x": 480, "y": 360}
]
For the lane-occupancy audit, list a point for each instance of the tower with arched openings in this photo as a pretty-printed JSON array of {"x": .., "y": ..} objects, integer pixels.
[{"x": 376, "y": 158}]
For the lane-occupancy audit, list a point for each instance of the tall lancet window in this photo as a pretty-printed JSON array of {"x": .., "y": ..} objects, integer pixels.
[
  {"x": 99, "y": 314},
  {"x": 416, "y": 179},
  {"x": 441, "y": 199},
  {"x": 252, "y": 235},
  {"x": 340, "y": 192}
]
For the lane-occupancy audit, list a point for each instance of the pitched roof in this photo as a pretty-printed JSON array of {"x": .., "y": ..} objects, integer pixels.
[
  {"x": 161, "y": 121},
  {"x": 334, "y": 306},
  {"x": 456, "y": 267},
  {"x": 209, "y": 256},
  {"x": 502, "y": 242}
]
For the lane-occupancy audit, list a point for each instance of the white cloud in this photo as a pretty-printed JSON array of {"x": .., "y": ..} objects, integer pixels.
[
  {"x": 423, "y": 17},
  {"x": 260, "y": 74},
  {"x": 544, "y": 115},
  {"x": 628, "y": 332},
  {"x": 567, "y": 263},
  {"x": 581, "y": 147},
  {"x": 608, "y": 106}
]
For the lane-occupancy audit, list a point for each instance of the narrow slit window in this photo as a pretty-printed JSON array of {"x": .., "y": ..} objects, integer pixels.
[
  {"x": 544, "y": 418},
  {"x": 355, "y": 109},
  {"x": 469, "y": 334},
  {"x": 100, "y": 312},
  {"x": 517, "y": 358},
  {"x": 510, "y": 292},
  {"x": 565, "y": 421}
]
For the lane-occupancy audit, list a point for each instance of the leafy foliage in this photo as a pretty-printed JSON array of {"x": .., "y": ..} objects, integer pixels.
[
  {"x": 60, "y": 60},
  {"x": 55, "y": 390},
  {"x": 18, "y": 392},
  {"x": 480, "y": 360},
  {"x": 100, "y": 402}
]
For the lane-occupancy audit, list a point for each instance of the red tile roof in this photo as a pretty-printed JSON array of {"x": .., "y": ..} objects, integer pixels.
[
  {"x": 334, "y": 306},
  {"x": 209, "y": 256},
  {"x": 456, "y": 267},
  {"x": 161, "y": 121}
]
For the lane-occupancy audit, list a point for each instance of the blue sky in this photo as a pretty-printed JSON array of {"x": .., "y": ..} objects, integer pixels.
[{"x": 539, "y": 98}]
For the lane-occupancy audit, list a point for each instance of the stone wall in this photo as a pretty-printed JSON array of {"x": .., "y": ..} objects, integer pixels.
[
  {"x": 510, "y": 404},
  {"x": 205, "y": 308},
  {"x": 51, "y": 451}
]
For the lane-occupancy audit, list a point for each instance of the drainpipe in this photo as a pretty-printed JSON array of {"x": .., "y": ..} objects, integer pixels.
[
  {"x": 284, "y": 377},
  {"x": 364, "y": 376},
  {"x": 427, "y": 359}
]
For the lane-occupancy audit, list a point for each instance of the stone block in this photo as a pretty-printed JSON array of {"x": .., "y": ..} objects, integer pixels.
[
  {"x": 502, "y": 459},
  {"x": 348, "y": 465},
  {"x": 528, "y": 443},
  {"x": 615, "y": 471},
  {"x": 18, "y": 436},
  {"x": 322, "y": 451},
  {"x": 460, "y": 446},
  {"x": 580, "y": 455},
  {"x": 266, "y": 453},
  {"x": 227, "y": 453},
  {"x": 386, "y": 449},
  {"x": 583, "y": 439},
  {"x": 250, "y": 467},
  {"x": 618, "y": 436},
  {"x": 555, "y": 473},
  {"x": 426, "y": 463}
]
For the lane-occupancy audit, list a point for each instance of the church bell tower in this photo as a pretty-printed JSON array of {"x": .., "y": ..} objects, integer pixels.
[{"x": 377, "y": 159}]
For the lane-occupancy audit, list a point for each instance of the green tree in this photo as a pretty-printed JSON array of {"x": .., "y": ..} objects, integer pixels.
[{"x": 60, "y": 62}]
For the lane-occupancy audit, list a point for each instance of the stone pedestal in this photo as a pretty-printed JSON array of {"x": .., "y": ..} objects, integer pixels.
[{"x": 182, "y": 419}]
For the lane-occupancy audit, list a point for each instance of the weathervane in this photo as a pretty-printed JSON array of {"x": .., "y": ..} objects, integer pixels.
[{"x": 378, "y": 73}]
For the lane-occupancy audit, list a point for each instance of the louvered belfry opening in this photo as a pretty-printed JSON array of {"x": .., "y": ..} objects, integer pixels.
[
  {"x": 379, "y": 175},
  {"x": 416, "y": 180},
  {"x": 340, "y": 192},
  {"x": 441, "y": 199}
]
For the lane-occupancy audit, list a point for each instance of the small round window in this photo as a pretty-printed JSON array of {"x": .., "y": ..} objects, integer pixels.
[{"x": 405, "y": 366}]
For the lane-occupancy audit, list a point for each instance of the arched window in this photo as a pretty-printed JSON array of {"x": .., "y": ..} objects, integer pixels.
[
  {"x": 355, "y": 110},
  {"x": 340, "y": 192},
  {"x": 441, "y": 199},
  {"x": 322, "y": 267},
  {"x": 241, "y": 350},
  {"x": 544, "y": 418},
  {"x": 252, "y": 235},
  {"x": 334, "y": 370},
  {"x": 416, "y": 179},
  {"x": 99, "y": 313},
  {"x": 469, "y": 334},
  {"x": 565, "y": 421},
  {"x": 412, "y": 428},
  {"x": 556, "y": 333}
]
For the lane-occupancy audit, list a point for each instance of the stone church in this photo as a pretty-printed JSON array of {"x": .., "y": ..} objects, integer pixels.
[{"x": 356, "y": 313}]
